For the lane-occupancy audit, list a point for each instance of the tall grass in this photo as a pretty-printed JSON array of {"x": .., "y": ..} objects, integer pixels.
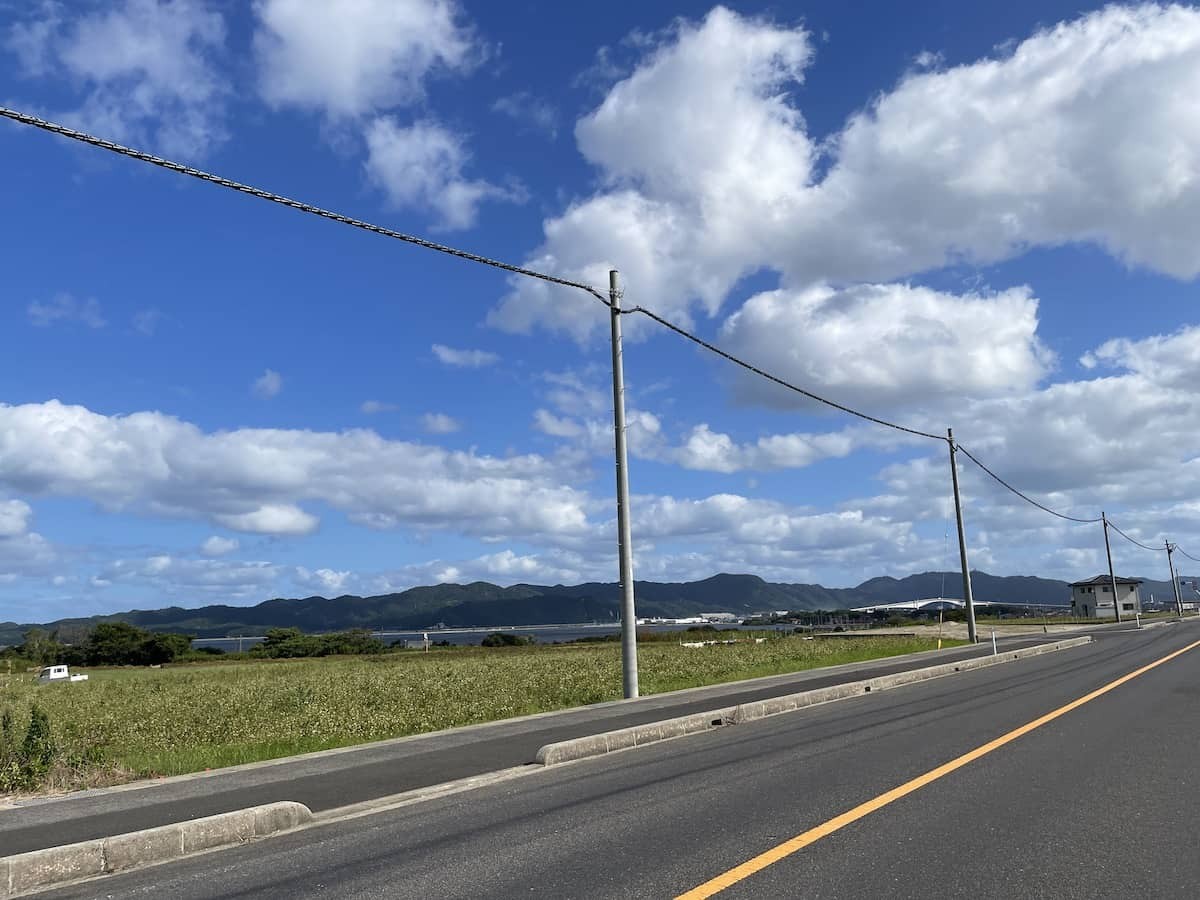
[{"x": 142, "y": 722}]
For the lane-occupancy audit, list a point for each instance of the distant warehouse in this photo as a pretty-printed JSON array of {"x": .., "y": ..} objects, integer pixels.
[{"x": 1093, "y": 599}]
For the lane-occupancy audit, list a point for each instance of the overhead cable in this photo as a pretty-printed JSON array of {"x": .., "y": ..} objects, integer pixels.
[
  {"x": 1133, "y": 540},
  {"x": 775, "y": 378},
  {"x": 1023, "y": 496},
  {"x": 54, "y": 128},
  {"x": 1179, "y": 549}
]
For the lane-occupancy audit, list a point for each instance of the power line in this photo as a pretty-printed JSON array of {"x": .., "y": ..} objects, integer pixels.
[
  {"x": 1185, "y": 553},
  {"x": 54, "y": 128},
  {"x": 1132, "y": 540},
  {"x": 64, "y": 131},
  {"x": 767, "y": 375},
  {"x": 1023, "y": 496}
]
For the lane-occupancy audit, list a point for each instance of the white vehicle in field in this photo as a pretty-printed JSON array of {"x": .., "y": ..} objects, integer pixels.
[{"x": 58, "y": 673}]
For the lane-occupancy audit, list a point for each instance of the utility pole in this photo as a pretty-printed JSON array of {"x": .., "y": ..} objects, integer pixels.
[
  {"x": 629, "y": 670},
  {"x": 962, "y": 542},
  {"x": 1174, "y": 580},
  {"x": 1112, "y": 579}
]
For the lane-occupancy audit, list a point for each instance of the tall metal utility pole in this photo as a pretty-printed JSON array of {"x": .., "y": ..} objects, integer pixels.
[
  {"x": 629, "y": 671},
  {"x": 1174, "y": 580},
  {"x": 1112, "y": 579},
  {"x": 962, "y": 541}
]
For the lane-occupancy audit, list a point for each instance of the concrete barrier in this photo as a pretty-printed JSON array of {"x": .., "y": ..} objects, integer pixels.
[
  {"x": 38, "y": 870},
  {"x": 652, "y": 732}
]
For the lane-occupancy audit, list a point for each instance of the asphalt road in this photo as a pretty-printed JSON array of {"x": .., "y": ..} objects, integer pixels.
[
  {"x": 1099, "y": 802},
  {"x": 325, "y": 781}
]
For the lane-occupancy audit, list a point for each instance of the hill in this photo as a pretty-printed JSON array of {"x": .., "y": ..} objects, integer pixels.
[{"x": 484, "y": 604}]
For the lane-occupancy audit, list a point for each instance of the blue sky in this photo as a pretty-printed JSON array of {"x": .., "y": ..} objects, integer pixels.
[{"x": 946, "y": 214}]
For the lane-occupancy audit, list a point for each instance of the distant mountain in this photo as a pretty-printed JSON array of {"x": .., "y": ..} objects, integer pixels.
[{"x": 484, "y": 604}]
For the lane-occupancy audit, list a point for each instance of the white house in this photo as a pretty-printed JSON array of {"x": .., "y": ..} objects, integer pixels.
[{"x": 1093, "y": 599}]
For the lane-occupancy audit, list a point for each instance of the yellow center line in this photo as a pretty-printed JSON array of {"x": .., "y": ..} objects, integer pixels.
[{"x": 800, "y": 841}]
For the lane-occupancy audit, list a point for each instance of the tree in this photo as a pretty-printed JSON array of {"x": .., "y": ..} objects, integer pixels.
[
  {"x": 157, "y": 649},
  {"x": 115, "y": 644},
  {"x": 40, "y": 647},
  {"x": 285, "y": 643},
  {"x": 122, "y": 644}
]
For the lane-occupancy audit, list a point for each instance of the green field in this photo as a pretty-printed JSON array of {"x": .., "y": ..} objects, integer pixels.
[{"x": 129, "y": 723}]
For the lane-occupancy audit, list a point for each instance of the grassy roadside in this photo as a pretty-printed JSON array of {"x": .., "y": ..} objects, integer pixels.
[{"x": 131, "y": 723}]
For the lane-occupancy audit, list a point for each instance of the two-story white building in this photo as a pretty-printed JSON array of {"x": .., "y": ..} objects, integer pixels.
[{"x": 1093, "y": 599}]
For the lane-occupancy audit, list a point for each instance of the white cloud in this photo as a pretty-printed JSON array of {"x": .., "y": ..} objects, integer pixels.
[
  {"x": 218, "y": 546},
  {"x": 883, "y": 346},
  {"x": 421, "y": 165},
  {"x": 22, "y": 552},
  {"x": 268, "y": 385},
  {"x": 171, "y": 575},
  {"x": 503, "y": 567},
  {"x": 371, "y": 407},
  {"x": 348, "y": 58},
  {"x": 27, "y": 554},
  {"x": 65, "y": 308},
  {"x": 557, "y": 426},
  {"x": 691, "y": 199},
  {"x": 440, "y": 423},
  {"x": 327, "y": 581},
  {"x": 530, "y": 111},
  {"x": 270, "y": 518},
  {"x": 148, "y": 69},
  {"x": 1082, "y": 133},
  {"x": 711, "y": 451},
  {"x": 14, "y": 518},
  {"x": 356, "y": 61},
  {"x": 257, "y": 480},
  {"x": 761, "y": 521},
  {"x": 467, "y": 359}
]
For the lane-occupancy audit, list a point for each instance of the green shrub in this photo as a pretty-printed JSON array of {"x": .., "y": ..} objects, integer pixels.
[
  {"x": 25, "y": 763},
  {"x": 503, "y": 639}
]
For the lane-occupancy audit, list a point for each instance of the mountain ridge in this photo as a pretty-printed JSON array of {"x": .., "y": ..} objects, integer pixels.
[{"x": 484, "y": 604}]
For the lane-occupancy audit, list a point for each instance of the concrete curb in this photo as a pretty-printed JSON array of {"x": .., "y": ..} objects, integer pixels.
[
  {"x": 650, "y": 733},
  {"x": 39, "y": 870}
]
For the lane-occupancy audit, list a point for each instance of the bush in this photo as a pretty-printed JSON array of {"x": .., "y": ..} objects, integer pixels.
[
  {"x": 502, "y": 639},
  {"x": 292, "y": 643},
  {"x": 25, "y": 763}
]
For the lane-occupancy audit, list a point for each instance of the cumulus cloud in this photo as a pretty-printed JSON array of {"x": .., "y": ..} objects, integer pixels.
[
  {"x": 347, "y": 58},
  {"x": 690, "y": 198},
  {"x": 358, "y": 62},
  {"x": 258, "y": 480},
  {"x": 218, "y": 546},
  {"x": 327, "y": 581},
  {"x": 1083, "y": 132},
  {"x": 148, "y": 69},
  {"x": 14, "y": 518},
  {"x": 173, "y": 575},
  {"x": 268, "y": 385},
  {"x": 712, "y": 451},
  {"x": 553, "y": 566},
  {"x": 888, "y": 345},
  {"x": 466, "y": 359},
  {"x": 421, "y": 165},
  {"x": 440, "y": 423},
  {"x": 557, "y": 426},
  {"x": 65, "y": 308},
  {"x": 22, "y": 552}
]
